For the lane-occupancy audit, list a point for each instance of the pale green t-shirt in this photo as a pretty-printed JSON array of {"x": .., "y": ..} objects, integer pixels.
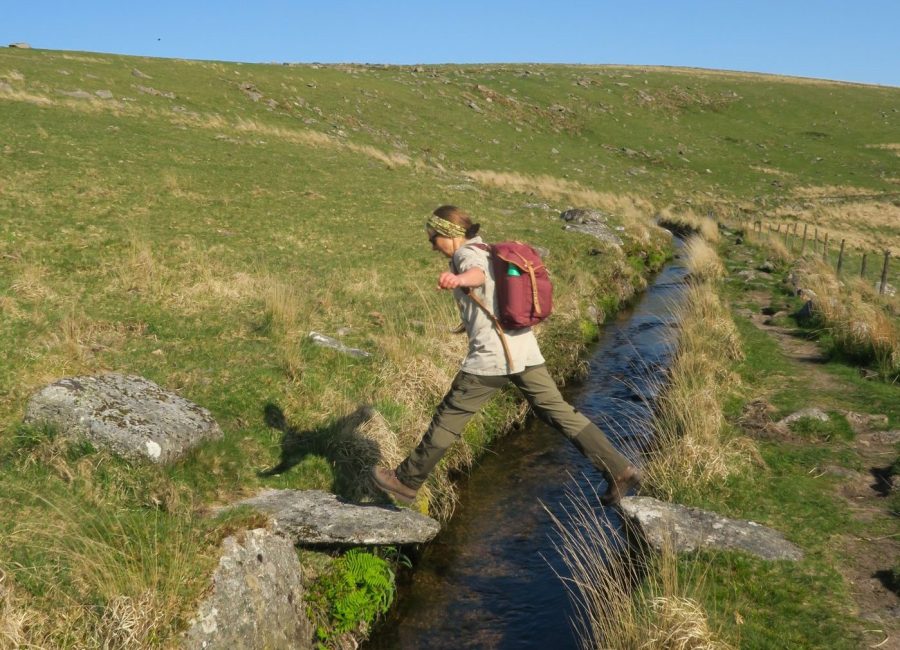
[{"x": 485, "y": 356}]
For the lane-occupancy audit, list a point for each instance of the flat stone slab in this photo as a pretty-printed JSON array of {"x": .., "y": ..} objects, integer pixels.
[
  {"x": 673, "y": 526},
  {"x": 257, "y": 598},
  {"x": 317, "y": 518},
  {"x": 128, "y": 415}
]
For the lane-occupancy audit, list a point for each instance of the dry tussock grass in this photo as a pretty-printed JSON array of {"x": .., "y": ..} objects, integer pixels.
[
  {"x": 626, "y": 205},
  {"x": 139, "y": 271},
  {"x": 15, "y": 615},
  {"x": 859, "y": 325},
  {"x": 695, "y": 450},
  {"x": 31, "y": 283},
  {"x": 173, "y": 185},
  {"x": 27, "y": 97},
  {"x": 287, "y": 308},
  {"x": 687, "y": 221},
  {"x": 853, "y": 221},
  {"x": 703, "y": 262},
  {"x": 775, "y": 245},
  {"x": 317, "y": 139},
  {"x": 417, "y": 376},
  {"x": 889, "y": 146},
  {"x": 770, "y": 170},
  {"x": 634, "y": 600},
  {"x": 139, "y": 572},
  {"x": 829, "y": 191},
  {"x": 10, "y": 308},
  {"x": 78, "y": 339}
]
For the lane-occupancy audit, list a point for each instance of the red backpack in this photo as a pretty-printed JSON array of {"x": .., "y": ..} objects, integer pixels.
[{"x": 524, "y": 291}]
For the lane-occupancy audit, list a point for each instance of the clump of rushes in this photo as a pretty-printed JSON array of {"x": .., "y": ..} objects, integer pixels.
[
  {"x": 687, "y": 222},
  {"x": 859, "y": 328},
  {"x": 690, "y": 432},
  {"x": 702, "y": 261},
  {"x": 775, "y": 246},
  {"x": 629, "y": 600},
  {"x": 113, "y": 578}
]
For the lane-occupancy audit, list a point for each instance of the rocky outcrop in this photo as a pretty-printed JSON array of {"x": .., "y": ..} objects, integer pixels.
[
  {"x": 315, "y": 518},
  {"x": 130, "y": 416},
  {"x": 257, "y": 598},
  {"x": 676, "y": 527},
  {"x": 591, "y": 222}
]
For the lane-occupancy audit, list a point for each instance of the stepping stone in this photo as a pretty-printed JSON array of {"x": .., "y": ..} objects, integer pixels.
[
  {"x": 683, "y": 529},
  {"x": 316, "y": 518}
]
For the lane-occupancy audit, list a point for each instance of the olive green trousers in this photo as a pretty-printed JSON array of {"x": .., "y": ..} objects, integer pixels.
[{"x": 470, "y": 392}]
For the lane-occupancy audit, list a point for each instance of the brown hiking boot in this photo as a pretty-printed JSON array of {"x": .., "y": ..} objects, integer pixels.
[
  {"x": 387, "y": 482},
  {"x": 620, "y": 485}
]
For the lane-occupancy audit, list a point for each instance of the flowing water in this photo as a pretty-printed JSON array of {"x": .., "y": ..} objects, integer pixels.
[{"x": 491, "y": 577}]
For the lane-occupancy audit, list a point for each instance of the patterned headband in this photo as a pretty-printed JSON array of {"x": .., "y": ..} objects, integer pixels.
[{"x": 444, "y": 227}]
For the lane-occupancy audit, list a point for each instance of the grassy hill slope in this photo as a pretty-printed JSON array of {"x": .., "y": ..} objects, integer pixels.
[{"x": 192, "y": 222}]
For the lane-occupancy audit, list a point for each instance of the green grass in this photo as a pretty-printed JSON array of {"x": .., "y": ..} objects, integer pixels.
[
  {"x": 808, "y": 601},
  {"x": 197, "y": 240}
]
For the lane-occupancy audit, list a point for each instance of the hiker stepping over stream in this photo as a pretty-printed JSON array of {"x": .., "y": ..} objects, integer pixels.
[{"x": 501, "y": 350}]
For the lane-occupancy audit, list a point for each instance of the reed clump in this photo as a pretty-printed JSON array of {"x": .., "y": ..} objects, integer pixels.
[
  {"x": 630, "y": 599},
  {"x": 703, "y": 262},
  {"x": 858, "y": 324},
  {"x": 686, "y": 222},
  {"x": 695, "y": 448}
]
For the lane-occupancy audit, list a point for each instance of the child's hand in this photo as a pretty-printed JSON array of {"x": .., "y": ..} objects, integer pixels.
[{"x": 448, "y": 281}]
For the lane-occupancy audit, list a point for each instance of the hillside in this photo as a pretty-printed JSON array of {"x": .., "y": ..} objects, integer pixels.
[{"x": 191, "y": 222}]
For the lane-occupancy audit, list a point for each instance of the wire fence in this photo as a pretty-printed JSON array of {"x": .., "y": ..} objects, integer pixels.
[{"x": 803, "y": 239}]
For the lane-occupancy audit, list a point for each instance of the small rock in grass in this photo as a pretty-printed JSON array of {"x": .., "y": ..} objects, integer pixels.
[
  {"x": 813, "y": 413},
  {"x": 327, "y": 342},
  {"x": 862, "y": 422}
]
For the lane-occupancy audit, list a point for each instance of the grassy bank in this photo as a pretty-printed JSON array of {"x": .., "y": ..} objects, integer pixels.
[
  {"x": 795, "y": 480},
  {"x": 718, "y": 448}
]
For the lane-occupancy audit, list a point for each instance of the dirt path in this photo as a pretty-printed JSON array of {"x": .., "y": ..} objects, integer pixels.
[{"x": 864, "y": 562}]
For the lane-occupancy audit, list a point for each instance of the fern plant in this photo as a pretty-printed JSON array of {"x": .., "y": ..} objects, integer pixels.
[{"x": 357, "y": 589}]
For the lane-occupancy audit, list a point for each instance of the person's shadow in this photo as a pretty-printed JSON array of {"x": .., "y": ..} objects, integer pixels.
[{"x": 350, "y": 452}]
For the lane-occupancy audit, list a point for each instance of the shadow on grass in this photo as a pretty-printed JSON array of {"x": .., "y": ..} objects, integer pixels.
[{"x": 350, "y": 453}]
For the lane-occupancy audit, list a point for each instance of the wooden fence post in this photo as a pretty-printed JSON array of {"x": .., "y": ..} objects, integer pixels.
[
  {"x": 862, "y": 267},
  {"x": 816, "y": 246},
  {"x": 840, "y": 261},
  {"x": 884, "y": 269},
  {"x": 803, "y": 245},
  {"x": 825, "y": 248}
]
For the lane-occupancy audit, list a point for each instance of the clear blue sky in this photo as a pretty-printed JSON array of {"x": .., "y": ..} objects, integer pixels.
[{"x": 853, "y": 41}]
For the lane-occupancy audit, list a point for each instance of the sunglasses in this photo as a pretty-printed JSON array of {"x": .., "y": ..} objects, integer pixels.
[{"x": 431, "y": 238}]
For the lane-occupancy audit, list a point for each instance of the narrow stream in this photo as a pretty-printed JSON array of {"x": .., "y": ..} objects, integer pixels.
[{"x": 489, "y": 580}]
